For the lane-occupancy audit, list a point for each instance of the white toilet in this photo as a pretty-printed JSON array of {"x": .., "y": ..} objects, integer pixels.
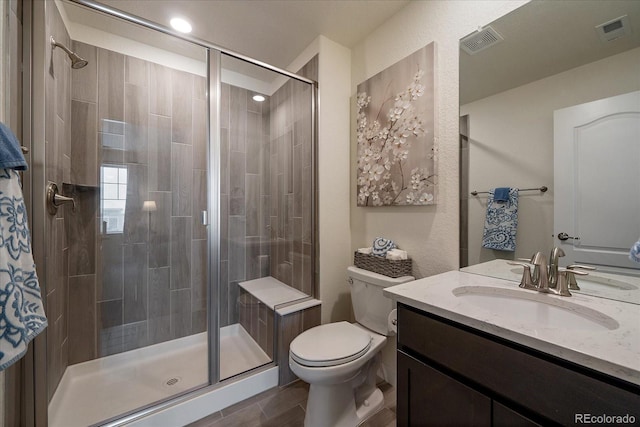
[{"x": 340, "y": 360}]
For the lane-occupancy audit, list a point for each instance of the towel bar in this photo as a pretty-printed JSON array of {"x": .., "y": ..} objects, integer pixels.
[{"x": 542, "y": 189}]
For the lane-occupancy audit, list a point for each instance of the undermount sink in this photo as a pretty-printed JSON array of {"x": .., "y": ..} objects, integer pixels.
[{"x": 539, "y": 310}]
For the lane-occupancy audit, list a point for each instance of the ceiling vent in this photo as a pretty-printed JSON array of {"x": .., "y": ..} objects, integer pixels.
[
  {"x": 480, "y": 40},
  {"x": 614, "y": 29}
]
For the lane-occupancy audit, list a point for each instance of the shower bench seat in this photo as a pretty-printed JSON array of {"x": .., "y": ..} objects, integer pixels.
[{"x": 269, "y": 308}]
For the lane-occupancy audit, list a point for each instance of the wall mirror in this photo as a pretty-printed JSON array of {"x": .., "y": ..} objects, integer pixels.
[{"x": 549, "y": 56}]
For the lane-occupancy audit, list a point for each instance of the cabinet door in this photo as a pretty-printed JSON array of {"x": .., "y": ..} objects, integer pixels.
[
  {"x": 505, "y": 417},
  {"x": 427, "y": 397}
]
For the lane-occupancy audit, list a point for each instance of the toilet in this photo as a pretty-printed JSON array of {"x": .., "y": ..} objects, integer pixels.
[{"x": 340, "y": 360}]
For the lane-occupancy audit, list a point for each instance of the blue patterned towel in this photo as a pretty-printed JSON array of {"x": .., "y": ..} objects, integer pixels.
[
  {"x": 381, "y": 246},
  {"x": 501, "y": 223},
  {"x": 634, "y": 253},
  {"x": 11, "y": 156},
  {"x": 21, "y": 312}
]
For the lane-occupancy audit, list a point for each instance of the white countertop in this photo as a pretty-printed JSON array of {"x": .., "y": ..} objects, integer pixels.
[{"x": 614, "y": 352}]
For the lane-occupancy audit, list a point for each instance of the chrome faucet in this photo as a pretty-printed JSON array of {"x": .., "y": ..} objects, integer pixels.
[
  {"x": 550, "y": 278},
  {"x": 556, "y": 253}
]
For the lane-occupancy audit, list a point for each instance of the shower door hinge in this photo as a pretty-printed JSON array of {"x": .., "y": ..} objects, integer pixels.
[{"x": 205, "y": 218}]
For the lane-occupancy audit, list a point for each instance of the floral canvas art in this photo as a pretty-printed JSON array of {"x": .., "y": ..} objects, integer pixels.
[{"x": 396, "y": 133}]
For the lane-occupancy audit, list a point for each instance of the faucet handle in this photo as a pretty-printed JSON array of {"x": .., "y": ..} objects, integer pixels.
[
  {"x": 572, "y": 271},
  {"x": 528, "y": 260},
  {"x": 565, "y": 276},
  {"x": 573, "y": 283},
  {"x": 526, "y": 282},
  {"x": 581, "y": 267}
]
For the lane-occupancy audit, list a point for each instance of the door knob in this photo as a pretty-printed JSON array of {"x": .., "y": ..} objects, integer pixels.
[{"x": 564, "y": 236}]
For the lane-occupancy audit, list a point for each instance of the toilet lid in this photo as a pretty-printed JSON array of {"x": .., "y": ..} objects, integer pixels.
[{"x": 329, "y": 345}]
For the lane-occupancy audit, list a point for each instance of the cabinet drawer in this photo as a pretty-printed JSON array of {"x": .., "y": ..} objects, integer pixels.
[{"x": 512, "y": 373}]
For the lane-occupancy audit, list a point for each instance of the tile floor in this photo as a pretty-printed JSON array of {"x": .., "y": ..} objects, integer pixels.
[{"x": 284, "y": 407}]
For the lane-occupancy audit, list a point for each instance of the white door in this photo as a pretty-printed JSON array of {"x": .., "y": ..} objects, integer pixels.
[{"x": 597, "y": 180}]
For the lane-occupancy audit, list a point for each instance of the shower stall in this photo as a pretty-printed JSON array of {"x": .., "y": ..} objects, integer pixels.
[{"x": 183, "y": 229}]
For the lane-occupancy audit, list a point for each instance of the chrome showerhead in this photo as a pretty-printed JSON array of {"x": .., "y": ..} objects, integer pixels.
[{"x": 76, "y": 61}]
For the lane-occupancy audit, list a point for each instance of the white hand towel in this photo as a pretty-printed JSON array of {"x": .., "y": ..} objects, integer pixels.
[
  {"x": 397, "y": 254},
  {"x": 366, "y": 251}
]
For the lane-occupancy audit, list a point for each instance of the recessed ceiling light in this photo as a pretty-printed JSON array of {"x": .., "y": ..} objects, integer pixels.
[
  {"x": 181, "y": 25},
  {"x": 258, "y": 98}
]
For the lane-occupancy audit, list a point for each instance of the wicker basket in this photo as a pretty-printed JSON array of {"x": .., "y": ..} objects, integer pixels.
[{"x": 381, "y": 265}]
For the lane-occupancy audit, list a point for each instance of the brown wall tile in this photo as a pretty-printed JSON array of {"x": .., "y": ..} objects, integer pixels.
[
  {"x": 160, "y": 96},
  {"x": 136, "y": 123},
  {"x": 135, "y": 282},
  {"x": 82, "y": 318},
  {"x": 181, "y": 107},
  {"x": 181, "y": 179},
  {"x": 159, "y": 305},
  {"x": 110, "y": 92},
  {"x": 85, "y": 82},
  {"x": 159, "y": 229},
  {"x": 180, "y": 253},
  {"x": 159, "y": 153},
  {"x": 84, "y": 154},
  {"x": 180, "y": 313}
]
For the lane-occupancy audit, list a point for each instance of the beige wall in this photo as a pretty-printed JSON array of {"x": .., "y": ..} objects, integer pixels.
[
  {"x": 525, "y": 115},
  {"x": 429, "y": 234}
]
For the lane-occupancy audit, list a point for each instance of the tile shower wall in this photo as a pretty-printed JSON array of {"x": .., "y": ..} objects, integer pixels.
[
  {"x": 57, "y": 168},
  {"x": 266, "y": 178},
  {"x": 244, "y": 137},
  {"x": 142, "y": 281}
]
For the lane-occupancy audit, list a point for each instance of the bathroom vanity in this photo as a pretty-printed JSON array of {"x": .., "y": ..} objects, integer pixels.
[{"x": 475, "y": 350}]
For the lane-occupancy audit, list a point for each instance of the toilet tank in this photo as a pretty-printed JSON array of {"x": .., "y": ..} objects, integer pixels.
[{"x": 370, "y": 307}]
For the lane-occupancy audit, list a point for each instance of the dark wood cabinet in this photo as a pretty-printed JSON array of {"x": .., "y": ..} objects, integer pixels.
[
  {"x": 451, "y": 374},
  {"x": 427, "y": 388},
  {"x": 506, "y": 417}
]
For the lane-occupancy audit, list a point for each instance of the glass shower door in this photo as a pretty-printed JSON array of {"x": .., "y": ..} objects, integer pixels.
[
  {"x": 266, "y": 214},
  {"x": 128, "y": 270}
]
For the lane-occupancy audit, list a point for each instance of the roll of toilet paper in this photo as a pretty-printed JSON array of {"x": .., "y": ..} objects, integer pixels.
[{"x": 392, "y": 321}]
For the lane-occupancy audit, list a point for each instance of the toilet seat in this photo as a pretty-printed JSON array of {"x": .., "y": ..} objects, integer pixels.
[{"x": 330, "y": 345}]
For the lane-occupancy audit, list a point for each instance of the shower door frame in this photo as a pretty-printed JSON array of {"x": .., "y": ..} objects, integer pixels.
[{"x": 34, "y": 382}]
